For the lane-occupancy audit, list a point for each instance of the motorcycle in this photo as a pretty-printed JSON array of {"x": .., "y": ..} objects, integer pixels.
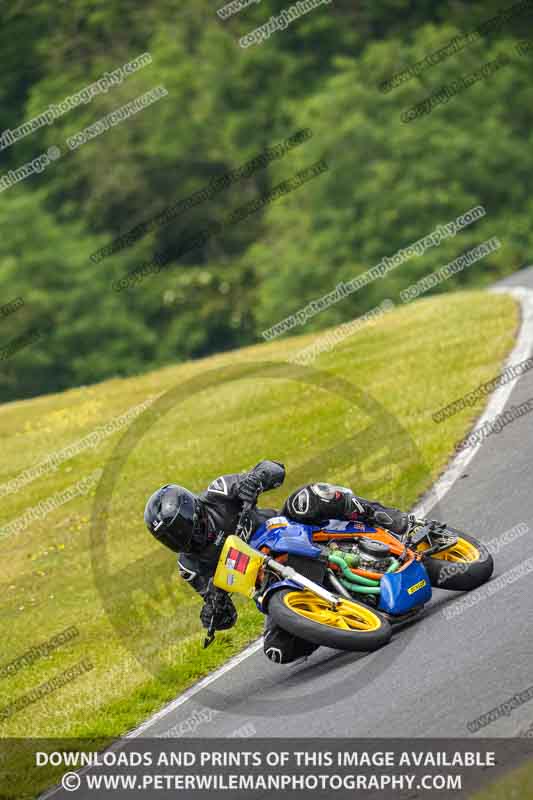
[{"x": 346, "y": 585}]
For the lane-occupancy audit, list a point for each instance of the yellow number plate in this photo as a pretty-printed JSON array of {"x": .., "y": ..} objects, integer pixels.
[
  {"x": 416, "y": 587},
  {"x": 237, "y": 567}
]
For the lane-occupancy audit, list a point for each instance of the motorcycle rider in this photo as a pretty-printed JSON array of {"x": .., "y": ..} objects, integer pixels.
[{"x": 195, "y": 527}]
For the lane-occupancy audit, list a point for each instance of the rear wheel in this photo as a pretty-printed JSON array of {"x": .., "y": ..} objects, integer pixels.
[
  {"x": 462, "y": 567},
  {"x": 351, "y": 626}
]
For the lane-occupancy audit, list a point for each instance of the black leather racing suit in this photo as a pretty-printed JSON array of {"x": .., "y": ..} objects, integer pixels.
[{"x": 221, "y": 506}]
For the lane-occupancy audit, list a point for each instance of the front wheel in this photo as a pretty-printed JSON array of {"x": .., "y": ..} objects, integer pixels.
[
  {"x": 351, "y": 626},
  {"x": 462, "y": 567}
]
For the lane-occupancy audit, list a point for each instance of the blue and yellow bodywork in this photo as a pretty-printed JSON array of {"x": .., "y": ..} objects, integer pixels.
[{"x": 402, "y": 591}]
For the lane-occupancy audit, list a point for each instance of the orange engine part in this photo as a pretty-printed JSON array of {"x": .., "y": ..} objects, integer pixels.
[{"x": 379, "y": 535}]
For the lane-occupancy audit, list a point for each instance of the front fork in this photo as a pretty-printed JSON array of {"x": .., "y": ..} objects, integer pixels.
[{"x": 290, "y": 574}]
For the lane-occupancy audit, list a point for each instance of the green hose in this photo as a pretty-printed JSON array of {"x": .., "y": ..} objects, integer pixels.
[
  {"x": 352, "y": 587},
  {"x": 352, "y": 559},
  {"x": 357, "y": 583},
  {"x": 349, "y": 575}
]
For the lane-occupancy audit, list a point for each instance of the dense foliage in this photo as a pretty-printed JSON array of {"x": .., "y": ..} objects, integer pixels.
[{"x": 388, "y": 183}]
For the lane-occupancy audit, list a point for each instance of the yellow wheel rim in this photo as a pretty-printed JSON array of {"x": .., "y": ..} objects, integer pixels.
[
  {"x": 463, "y": 551},
  {"x": 347, "y": 616}
]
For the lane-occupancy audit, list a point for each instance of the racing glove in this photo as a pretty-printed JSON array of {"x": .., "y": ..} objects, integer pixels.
[
  {"x": 264, "y": 476},
  {"x": 250, "y": 486},
  {"x": 221, "y": 608}
]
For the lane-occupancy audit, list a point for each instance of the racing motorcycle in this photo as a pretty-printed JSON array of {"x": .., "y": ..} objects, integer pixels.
[{"x": 345, "y": 585}]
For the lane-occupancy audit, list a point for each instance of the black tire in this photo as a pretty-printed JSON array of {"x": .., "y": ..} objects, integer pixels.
[
  {"x": 319, "y": 633},
  {"x": 461, "y": 576}
]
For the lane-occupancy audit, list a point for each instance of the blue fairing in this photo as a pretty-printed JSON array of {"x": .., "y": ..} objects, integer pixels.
[
  {"x": 285, "y": 537},
  {"x": 402, "y": 591},
  {"x": 288, "y": 537}
]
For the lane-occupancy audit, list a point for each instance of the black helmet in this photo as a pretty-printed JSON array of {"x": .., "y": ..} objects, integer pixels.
[{"x": 172, "y": 516}]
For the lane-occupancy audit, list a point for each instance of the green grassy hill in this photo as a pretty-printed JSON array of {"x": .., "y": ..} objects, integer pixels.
[{"x": 361, "y": 415}]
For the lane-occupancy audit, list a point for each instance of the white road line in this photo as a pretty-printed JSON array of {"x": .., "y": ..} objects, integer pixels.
[
  {"x": 179, "y": 701},
  {"x": 496, "y": 404},
  {"x": 188, "y": 693}
]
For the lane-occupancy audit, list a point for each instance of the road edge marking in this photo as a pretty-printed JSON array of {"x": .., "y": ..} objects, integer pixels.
[
  {"x": 197, "y": 687},
  {"x": 498, "y": 400}
]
